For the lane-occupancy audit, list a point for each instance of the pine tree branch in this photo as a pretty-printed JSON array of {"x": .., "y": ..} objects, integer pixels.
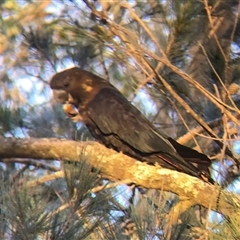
[{"x": 119, "y": 167}]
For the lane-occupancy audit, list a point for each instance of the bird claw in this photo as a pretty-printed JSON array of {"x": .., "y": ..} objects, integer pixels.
[{"x": 71, "y": 111}]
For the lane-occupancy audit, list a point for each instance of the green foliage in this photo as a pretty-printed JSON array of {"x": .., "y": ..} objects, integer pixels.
[
  {"x": 63, "y": 209},
  {"x": 10, "y": 119}
]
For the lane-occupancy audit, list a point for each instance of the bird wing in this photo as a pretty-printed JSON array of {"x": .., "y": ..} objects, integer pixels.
[
  {"x": 190, "y": 154},
  {"x": 114, "y": 114}
]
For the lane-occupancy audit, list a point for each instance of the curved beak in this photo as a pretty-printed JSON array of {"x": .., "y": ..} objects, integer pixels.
[{"x": 60, "y": 96}]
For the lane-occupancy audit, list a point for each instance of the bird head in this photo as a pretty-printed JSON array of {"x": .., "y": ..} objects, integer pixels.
[
  {"x": 76, "y": 84},
  {"x": 67, "y": 80}
]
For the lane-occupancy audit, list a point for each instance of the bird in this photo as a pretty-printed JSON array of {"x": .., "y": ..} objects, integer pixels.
[{"x": 114, "y": 122}]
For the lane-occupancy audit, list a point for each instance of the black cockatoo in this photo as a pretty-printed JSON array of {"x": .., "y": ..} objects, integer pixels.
[{"x": 115, "y": 122}]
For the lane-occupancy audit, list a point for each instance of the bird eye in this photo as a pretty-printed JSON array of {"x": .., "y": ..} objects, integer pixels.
[{"x": 66, "y": 84}]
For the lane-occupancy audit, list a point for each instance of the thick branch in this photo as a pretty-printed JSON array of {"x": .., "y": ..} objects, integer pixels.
[{"x": 117, "y": 166}]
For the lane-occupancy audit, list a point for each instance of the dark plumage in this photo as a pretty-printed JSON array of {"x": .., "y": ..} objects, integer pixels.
[{"x": 117, "y": 124}]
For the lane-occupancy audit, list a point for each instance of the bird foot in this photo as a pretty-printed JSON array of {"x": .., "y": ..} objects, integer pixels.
[{"x": 72, "y": 112}]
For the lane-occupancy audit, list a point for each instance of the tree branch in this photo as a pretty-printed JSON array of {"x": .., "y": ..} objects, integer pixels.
[{"x": 119, "y": 167}]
